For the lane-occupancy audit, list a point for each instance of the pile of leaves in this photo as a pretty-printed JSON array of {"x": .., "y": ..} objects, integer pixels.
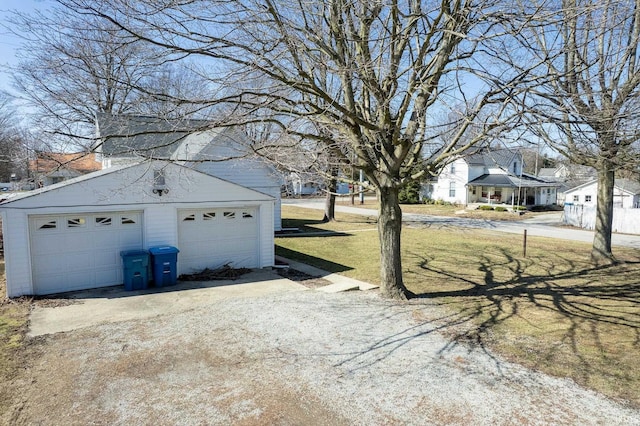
[{"x": 225, "y": 272}]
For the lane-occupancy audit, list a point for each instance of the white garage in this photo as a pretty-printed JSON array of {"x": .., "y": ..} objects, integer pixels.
[{"x": 69, "y": 236}]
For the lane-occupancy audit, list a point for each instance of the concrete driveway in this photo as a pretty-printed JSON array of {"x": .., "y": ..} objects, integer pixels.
[{"x": 99, "y": 306}]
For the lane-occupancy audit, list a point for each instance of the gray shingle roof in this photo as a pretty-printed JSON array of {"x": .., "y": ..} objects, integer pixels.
[
  {"x": 491, "y": 157},
  {"x": 129, "y": 136}
]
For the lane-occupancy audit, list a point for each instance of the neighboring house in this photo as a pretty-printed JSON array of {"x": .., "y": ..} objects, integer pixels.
[
  {"x": 626, "y": 194},
  {"x": 568, "y": 176},
  {"x": 493, "y": 177},
  {"x": 68, "y": 236},
  {"x": 52, "y": 167},
  {"x": 221, "y": 152}
]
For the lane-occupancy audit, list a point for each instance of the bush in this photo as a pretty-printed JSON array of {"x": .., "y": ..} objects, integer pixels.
[
  {"x": 501, "y": 209},
  {"x": 519, "y": 208},
  {"x": 483, "y": 207},
  {"x": 410, "y": 193}
]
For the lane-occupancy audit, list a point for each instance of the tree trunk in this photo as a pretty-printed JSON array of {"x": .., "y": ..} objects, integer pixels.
[
  {"x": 389, "y": 229},
  {"x": 330, "y": 199},
  {"x": 601, "y": 250},
  {"x": 329, "y": 207}
]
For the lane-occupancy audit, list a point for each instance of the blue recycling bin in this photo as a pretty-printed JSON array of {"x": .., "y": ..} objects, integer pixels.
[
  {"x": 135, "y": 269},
  {"x": 164, "y": 261}
]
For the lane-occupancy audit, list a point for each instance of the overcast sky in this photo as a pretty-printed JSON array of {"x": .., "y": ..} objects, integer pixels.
[{"x": 8, "y": 42}]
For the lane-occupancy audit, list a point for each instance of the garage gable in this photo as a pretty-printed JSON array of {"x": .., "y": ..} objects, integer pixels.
[{"x": 147, "y": 182}]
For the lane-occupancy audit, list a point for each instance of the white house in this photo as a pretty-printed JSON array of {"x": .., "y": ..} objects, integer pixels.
[
  {"x": 626, "y": 194},
  {"x": 69, "y": 236},
  {"x": 493, "y": 177},
  {"x": 220, "y": 152}
]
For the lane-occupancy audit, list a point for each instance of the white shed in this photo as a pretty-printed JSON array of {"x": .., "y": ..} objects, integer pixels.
[{"x": 69, "y": 236}]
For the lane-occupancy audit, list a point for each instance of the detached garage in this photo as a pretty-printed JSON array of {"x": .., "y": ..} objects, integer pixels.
[{"x": 69, "y": 236}]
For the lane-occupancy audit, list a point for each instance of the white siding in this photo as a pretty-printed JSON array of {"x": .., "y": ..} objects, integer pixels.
[
  {"x": 448, "y": 180},
  {"x": 160, "y": 225},
  {"x": 15, "y": 226},
  {"x": 582, "y": 193}
]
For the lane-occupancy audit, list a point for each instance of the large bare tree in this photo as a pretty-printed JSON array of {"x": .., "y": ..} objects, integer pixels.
[
  {"x": 371, "y": 72},
  {"x": 584, "y": 89}
]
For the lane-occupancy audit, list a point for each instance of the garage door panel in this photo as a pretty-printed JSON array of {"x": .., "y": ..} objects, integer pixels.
[
  {"x": 214, "y": 237},
  {"x": 79, "y": 251}
]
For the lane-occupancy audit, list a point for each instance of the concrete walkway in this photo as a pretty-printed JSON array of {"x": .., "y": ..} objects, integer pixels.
[
  {"x": 113, "y": 304},
  {"x": 539, "y": 226}
]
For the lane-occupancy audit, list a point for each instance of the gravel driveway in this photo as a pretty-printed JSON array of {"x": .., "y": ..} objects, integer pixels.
[{"x": 297, "y": 358}]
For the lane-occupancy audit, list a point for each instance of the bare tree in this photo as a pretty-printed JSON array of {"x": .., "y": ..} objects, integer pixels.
[
  {"x": 372, "y": 72},
  {"x": 12, "y": 149},
  {"x": 583, "y": 89},
  {"x": 74, "y": 65}
]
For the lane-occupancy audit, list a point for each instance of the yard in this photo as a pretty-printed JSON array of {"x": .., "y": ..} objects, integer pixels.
[{"x": 551, "y": 311}]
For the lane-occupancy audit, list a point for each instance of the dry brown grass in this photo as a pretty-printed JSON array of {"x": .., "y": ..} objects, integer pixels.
[
  {"x": 14, "y": 318},
  {"x": 553, "y": 310}
]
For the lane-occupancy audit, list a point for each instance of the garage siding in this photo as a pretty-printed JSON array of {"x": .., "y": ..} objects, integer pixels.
[{"x": 16, "y": 253}]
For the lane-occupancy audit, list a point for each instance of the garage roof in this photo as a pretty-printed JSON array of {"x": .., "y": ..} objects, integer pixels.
[{"x": 134, "y": 184}]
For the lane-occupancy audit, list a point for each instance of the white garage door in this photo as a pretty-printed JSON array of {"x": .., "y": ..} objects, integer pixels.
[
  {"x": 211, "y": 238},
  {"x": 79, "y": 251}
]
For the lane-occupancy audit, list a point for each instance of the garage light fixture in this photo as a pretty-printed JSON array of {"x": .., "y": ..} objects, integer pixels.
[{"x": 159, "y": 186}]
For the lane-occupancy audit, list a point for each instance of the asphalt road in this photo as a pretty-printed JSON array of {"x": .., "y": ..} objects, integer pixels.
[{"x": 539, "y": 226}]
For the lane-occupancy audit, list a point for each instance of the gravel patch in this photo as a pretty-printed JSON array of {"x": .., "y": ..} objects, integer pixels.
[{"x": 297, "y": 358}]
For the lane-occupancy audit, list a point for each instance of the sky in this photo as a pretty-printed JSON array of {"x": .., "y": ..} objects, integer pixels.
[{"x": 8, "y": 42}]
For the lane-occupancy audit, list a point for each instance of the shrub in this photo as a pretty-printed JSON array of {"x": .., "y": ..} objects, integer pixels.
[
  {"x": 410, "y": 193},
  {"x": 519, "y": 208},
  {"x": 483, "y": 207},
  {"x": 501, "y": 209}
]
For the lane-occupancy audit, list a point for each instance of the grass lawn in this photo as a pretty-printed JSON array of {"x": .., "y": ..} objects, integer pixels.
[{"x": 552, "y": 311}]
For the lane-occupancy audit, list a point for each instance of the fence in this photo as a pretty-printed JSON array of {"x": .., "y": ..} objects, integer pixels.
[{"x": 625, "y": 220}]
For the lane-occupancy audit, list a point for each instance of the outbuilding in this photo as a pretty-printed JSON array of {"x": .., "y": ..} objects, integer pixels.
[{"x": 69, "y": 236}]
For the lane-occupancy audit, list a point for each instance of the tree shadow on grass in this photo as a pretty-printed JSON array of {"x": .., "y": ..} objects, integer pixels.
[{"x": 564, "y": 316}]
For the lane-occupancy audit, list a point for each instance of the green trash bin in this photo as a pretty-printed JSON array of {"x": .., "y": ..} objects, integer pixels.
[
  {"x": 135, "y": 269},
  {"x": 164, "y": 261}
]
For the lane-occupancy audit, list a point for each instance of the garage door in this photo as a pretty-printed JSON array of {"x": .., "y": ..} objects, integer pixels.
[
  {"x": 79, "y": 251},
  {"x": 211, "y": 238}
]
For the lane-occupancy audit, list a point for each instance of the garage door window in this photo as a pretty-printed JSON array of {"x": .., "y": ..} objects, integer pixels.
[
  {"x": 209, "y": 216},
  {"x": 229, "y": 215},
  {"x": 246, "y": 215},
  {"x": 189, "y": 218},
  {"x": 127, "y": 220},
  {"x": 76, "y": 222},
  {"x": 103, "y": 221},
  {"x": 52, "y": 224}
]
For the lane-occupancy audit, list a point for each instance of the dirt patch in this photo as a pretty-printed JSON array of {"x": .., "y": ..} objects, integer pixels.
[{"x": 303, "y": 278}]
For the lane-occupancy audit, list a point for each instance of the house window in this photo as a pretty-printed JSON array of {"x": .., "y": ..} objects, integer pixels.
[
  {"x": 576, "y": 198},
  {"x": 453, "y": 168},
  {"x": 452, "y": 189},
  {"x": 484, "y": 192},
  {"x": 587, "y": 198},
  {"x": 515, "y": 167}
]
